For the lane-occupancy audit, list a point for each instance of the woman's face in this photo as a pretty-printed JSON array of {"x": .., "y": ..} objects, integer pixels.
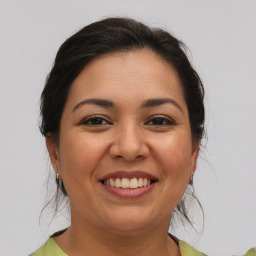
[{"x": 125, "y": 150}]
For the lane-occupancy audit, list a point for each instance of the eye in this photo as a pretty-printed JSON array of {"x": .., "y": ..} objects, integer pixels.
[
  {"x": 95, "y": 121},
  {"x": 160, "y": 121}
]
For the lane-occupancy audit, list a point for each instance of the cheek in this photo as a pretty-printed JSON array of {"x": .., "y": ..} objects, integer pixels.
[
  {"x": 79, "y": 155},
  {"x": 174, "y": 154}
]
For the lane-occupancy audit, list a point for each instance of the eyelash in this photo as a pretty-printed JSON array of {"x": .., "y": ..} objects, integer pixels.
[
  {"x": 101, "y": 121},
  {"x": 89, "y": 121},
  {"x": 165, "y": 120}
]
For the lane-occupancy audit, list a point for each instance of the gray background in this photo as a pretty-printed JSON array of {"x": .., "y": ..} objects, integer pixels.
[{"x": 221, "y": 36}]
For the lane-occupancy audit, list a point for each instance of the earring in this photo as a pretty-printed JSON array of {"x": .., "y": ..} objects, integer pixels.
[
  {"x": 191, "y": 179},
  {"x": 60, "y": 184},
  {"x": 57, "y": 179}
]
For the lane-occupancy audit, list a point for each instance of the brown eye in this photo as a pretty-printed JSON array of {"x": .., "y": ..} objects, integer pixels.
[
  {"x": 160, "y": 121},
  {"x": 97, "y": 121}
]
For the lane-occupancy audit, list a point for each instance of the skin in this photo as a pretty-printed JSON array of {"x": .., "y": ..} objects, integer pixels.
[{"x": 156, "y": 140}]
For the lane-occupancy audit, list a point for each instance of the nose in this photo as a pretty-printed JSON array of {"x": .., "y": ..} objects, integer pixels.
[{"x": 129, "y": 144}]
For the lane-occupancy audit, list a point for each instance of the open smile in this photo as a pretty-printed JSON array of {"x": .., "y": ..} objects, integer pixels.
[{"x": 130, "y": 184}]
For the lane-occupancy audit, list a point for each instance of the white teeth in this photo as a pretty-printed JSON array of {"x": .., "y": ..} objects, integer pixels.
[
  {"x": 134, "y": 183},
  {"x": 112, "y": 182},
  {"x": 140, "y": 181},
  {"x": 118, "y": 183},
  {"x": 145, "y": 182},
  {"x": 127, "y": 183}
]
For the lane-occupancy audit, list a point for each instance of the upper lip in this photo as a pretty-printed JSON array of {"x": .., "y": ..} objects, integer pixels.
[{"x": 128, "y": 174}]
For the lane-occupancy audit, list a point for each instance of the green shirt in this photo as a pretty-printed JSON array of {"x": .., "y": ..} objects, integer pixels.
[{"x": 50, "y": 248}]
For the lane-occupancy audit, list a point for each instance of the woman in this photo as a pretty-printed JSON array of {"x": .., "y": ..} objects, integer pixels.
[{"x": 123, "y": 116}]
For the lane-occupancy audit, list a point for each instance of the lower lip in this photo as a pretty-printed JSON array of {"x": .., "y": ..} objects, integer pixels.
[{"x": 129, "y": 192}]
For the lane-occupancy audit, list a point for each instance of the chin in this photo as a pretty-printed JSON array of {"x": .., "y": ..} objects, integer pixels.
[{"x": 132, "y": 221}]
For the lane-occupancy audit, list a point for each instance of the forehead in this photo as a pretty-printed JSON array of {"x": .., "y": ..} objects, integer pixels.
[
  {"x": 143, "y": 62},
  {"x": 140, "y": 73}
]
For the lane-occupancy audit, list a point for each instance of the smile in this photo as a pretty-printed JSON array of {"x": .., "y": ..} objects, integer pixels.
[{"x": 128, "y": 183}]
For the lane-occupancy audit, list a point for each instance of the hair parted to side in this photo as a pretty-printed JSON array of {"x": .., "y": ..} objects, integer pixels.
[{"x": 115, "y": 35}]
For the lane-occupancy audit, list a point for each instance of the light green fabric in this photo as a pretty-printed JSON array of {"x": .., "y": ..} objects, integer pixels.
[
  {"x": 251, "y": 252},
  {"x": 187, "y": 250},
  {"x": 50, "y": 248}
]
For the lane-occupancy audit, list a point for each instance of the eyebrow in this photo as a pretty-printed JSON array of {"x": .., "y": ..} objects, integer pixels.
[
  {"x": 98, "y": 102},
  {"x": 146, "y": 104},
  {"x": 160, "y": 101}
]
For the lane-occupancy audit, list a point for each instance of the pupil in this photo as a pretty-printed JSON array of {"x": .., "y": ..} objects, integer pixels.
[
  {"x": 97, "y": 121},
  {"x": 158, "y": 121}
]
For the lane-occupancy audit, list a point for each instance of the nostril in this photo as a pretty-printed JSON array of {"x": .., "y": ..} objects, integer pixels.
[
  {"x": 140, "y": 156},
  {"x": 118, "y": 156}
]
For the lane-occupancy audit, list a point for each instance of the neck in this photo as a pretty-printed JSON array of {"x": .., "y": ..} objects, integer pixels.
[{"x": 87, "y": 240}]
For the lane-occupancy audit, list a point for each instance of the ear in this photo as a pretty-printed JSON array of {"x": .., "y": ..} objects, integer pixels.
[
  {"x": 54, "y": 154},
  {"x": 194, "y": 157}
]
